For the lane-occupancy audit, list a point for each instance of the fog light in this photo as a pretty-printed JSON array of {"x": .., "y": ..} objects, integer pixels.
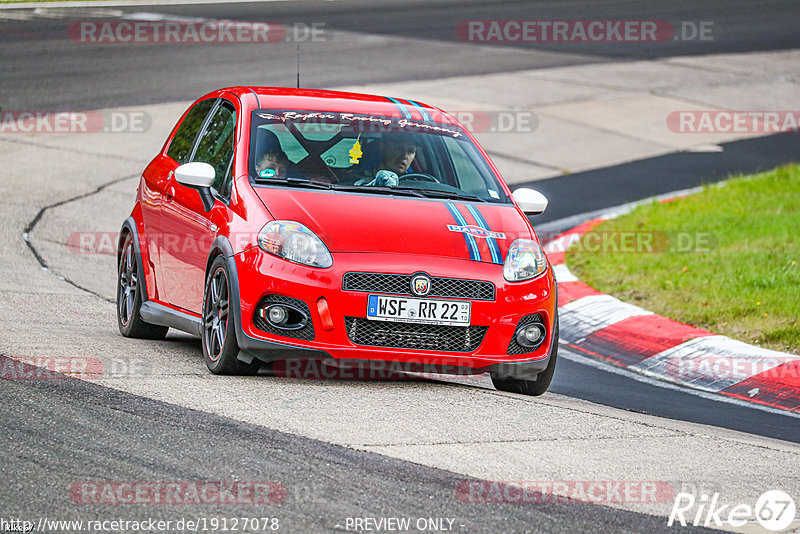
[
  {"x": 530, "y": 335},
  {"x": 278, "y": 314}
]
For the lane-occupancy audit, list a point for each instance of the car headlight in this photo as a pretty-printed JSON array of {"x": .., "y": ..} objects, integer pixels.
[
  {"x": 294, "y": 242},
  {"x": 525, "y": 260}
]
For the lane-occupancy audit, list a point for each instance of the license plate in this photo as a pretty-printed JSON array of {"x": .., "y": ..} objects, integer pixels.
[{"x": 423, "y": 311}]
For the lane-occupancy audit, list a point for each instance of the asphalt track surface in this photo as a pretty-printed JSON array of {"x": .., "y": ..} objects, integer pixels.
[
  {"x": 110, "y": 435},
  {"x": 115, "y": 434},
  {"x": 408, "y": 40}
]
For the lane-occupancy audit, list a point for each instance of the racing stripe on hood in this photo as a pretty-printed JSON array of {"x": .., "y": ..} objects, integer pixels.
[
  {"x": 472, "y": 245},
  {"x": 400, "y": 106},
  {"x": 497, "y": 256}
]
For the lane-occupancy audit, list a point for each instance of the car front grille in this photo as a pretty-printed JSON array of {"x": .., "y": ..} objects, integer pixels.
[
  {"x": 414, "y": 336},
  {"x": 400, "y": 284}
]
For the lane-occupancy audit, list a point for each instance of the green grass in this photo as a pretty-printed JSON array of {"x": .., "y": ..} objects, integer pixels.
[{"x": 745, "y": 285}]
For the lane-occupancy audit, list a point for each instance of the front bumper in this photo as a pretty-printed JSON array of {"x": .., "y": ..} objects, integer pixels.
[{"x": 260, "y": 274}]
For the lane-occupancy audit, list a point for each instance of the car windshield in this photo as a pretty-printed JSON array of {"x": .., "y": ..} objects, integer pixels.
[{"x": 370, "y": 153}]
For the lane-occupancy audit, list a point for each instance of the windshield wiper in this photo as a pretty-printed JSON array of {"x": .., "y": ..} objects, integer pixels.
[
  {"x": 445, "y": 194},
  {"x": 380, "y": 190},
  {"x": 295, "y": 182}
]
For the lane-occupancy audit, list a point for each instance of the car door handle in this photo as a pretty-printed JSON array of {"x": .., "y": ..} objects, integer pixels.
[{"x": 170, "y": 193}]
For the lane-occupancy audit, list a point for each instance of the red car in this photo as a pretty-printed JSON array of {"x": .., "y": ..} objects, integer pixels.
[{"x": 283, "y": 224}]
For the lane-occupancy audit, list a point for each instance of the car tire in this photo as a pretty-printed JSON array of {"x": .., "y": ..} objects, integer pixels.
[
  {"x": 130, "y": 285},
  {"x": 532, "y": 387},
  {"x": 220, "y": 349}
]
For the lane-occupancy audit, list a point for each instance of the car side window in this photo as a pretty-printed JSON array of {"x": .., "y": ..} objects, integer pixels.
[
  {"x": 227, "y": 185},
  {"x": 216, "y": 144},
  {"x": 180, "y": 149}
]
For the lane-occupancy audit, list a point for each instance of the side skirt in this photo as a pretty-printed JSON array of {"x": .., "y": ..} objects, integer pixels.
[{"x": 155, "y": 313}]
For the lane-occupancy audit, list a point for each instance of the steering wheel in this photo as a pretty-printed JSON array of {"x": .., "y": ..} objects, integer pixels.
[{"x": 419, "y": 176}]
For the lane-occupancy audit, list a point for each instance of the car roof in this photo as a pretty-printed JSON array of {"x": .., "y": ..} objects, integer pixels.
[{"x": 336, "y": 101}]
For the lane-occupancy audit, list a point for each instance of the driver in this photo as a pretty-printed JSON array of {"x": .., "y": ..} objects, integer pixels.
[{"x": 397, "y": 154}]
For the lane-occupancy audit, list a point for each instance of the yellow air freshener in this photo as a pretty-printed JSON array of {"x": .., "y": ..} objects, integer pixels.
[{"x": 355, "y": 152}]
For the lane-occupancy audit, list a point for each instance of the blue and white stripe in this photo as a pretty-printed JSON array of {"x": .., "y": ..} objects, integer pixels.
[
  {"x": 401, "y": 106},
  {"x": 421, "y": 109},
  {"x": 494, "y": 248},
  {"x": 472, "y": 245}
]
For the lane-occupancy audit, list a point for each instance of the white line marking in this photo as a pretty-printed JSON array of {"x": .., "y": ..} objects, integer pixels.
[
  {"x": 712, "y": 363},
  {"x": 584, "y": 360},
  {"x": 157, "y": 17},
  {"x": 595, "y": 312},
  {"x": 16, "y": 16},
  {"x": 58, "y": 13},
  {"x": 563, "y": 274},
  {"x": 561, "y": 243}
]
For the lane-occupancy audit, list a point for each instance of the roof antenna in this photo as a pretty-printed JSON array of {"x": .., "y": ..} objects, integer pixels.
[{"x": 298, "y": 66}]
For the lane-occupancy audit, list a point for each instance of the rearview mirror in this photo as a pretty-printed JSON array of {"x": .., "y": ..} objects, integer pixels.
[
  {"x": 198, "y": 175},
  {"x": 531, "y": 202}
]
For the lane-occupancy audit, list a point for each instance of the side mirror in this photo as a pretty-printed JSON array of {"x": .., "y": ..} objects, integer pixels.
[
  {"x": 195, "y": 174},
  {"x": 531, "y": 202},
  {"x": 198, "y": 175}
]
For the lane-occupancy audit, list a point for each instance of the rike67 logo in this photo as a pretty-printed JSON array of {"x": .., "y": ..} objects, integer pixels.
[{"x": 774, "y": 510}]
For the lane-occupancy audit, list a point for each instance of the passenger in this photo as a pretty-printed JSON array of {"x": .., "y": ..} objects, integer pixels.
[{"x": 272, "y": 164}]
